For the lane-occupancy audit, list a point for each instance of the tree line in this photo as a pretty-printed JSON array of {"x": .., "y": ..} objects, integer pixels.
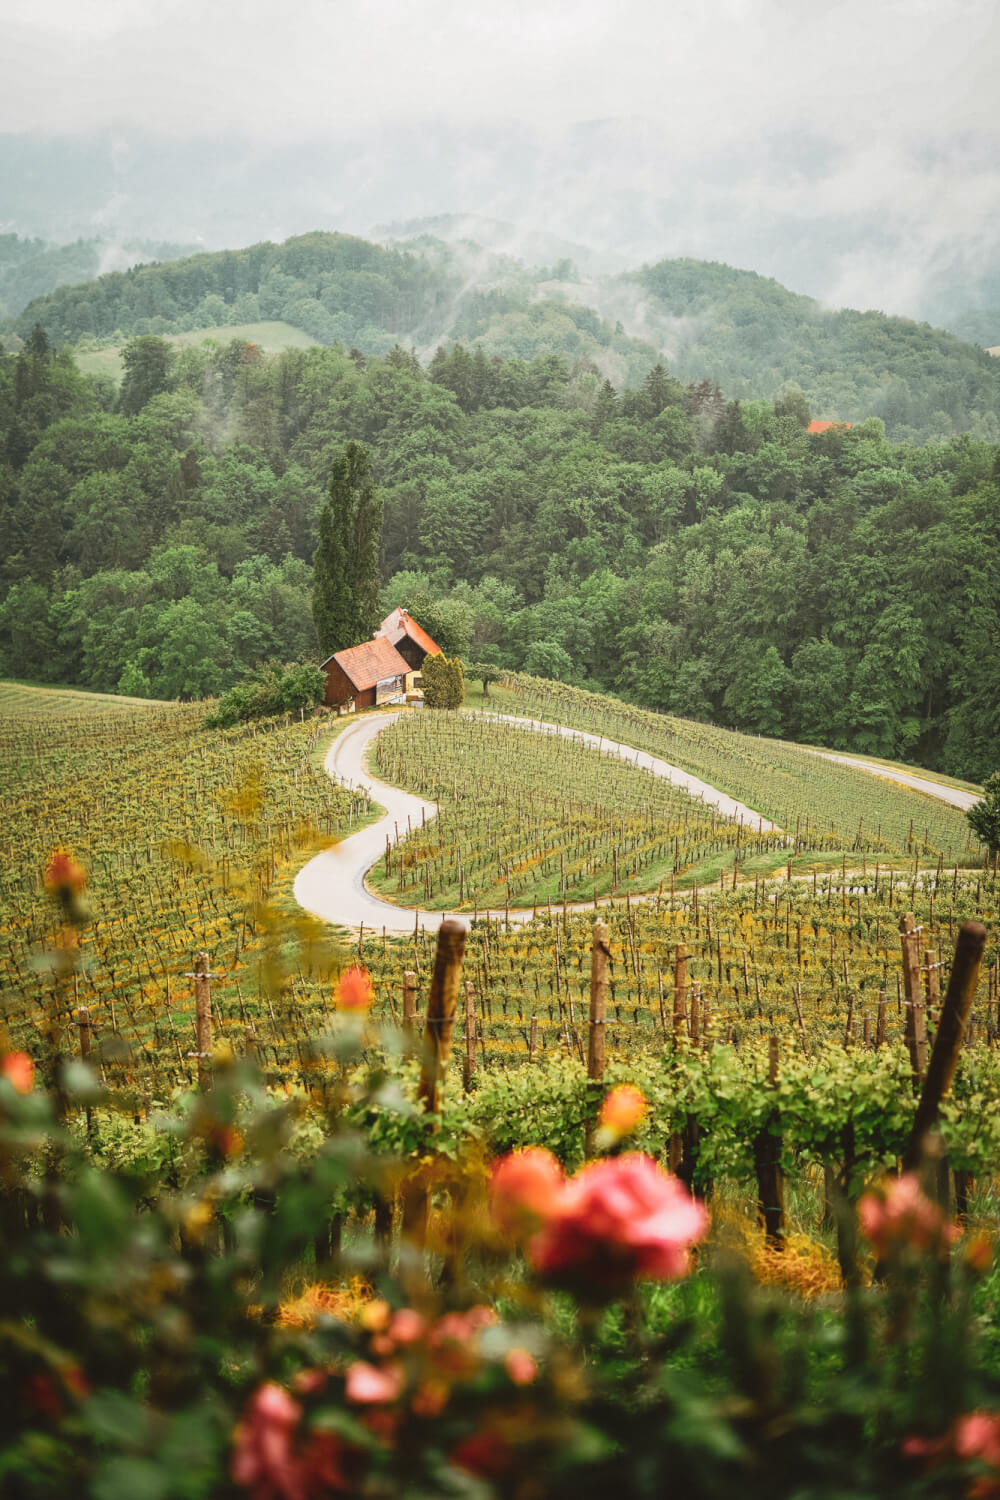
[
  {"x": 706, "y": 557},
  {"x": 734, "y": 328}
]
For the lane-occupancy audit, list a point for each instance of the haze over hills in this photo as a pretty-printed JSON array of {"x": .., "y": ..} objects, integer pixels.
[
  {"x": 914, "y": 234},
  {"x": 737, "y": 329}
]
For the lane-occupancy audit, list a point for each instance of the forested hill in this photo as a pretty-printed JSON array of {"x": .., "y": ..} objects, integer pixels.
[
  {"x": 753, "y": 336},
  {"x": 30, "y": 268},
  {"x": 747, "y": 333},
  {"x": 712, "y": 559}
]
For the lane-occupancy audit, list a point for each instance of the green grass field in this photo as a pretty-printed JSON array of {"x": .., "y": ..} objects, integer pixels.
[{"x": 271, "y": 337}]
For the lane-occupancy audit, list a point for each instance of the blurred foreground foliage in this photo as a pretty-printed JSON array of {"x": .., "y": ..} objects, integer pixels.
[{"x": 229, "y": 1299}]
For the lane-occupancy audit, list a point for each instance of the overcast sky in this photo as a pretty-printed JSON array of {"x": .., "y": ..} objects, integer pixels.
[
  {"x": 714, "y": 68},
  {"x": 895, "y": 101}
]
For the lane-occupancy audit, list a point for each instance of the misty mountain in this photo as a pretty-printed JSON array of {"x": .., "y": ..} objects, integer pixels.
[
  {"x": 842, "y": 222},
  {"x": 744, "y": 332}
]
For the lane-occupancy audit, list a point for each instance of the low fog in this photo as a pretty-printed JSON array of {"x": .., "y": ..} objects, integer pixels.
[{"x": 853, "y": 153}]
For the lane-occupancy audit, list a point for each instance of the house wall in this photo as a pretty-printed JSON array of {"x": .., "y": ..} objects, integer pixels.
[{"x": 339, "y": 686}]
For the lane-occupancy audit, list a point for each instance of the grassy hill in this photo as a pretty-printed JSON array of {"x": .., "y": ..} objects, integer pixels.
[{"x": 272, "y": 337}]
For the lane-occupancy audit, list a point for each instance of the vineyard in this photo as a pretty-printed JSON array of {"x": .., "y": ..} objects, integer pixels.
[
  {"x": 184, "y": 835},
  {"x": 804, "y": 794},
  {"x": 189, "y": 840},
  {"x": 526, "y": 818}
]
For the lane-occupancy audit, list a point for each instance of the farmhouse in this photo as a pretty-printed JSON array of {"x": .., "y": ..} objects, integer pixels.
[
  {"x": 409, "y": 638},
  {"x": 368, "y": 673}
]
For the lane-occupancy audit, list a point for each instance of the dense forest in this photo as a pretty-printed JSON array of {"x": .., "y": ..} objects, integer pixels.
[
  {"x": 30, "y": 268},
  {"x": 702, "y": 556},
  {"x": 744, "y": 332}
]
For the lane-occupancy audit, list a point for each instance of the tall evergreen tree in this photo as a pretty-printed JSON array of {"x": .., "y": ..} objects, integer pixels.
[{"x": 345, "y": 579}]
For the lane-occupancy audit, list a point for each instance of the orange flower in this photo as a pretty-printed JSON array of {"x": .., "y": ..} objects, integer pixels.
[
  {"x": 354, "y": 989},
  {"x": 20, "y": 1070},
  {"x": 63, "y": 874},
  {"x": 524, "y": 1189},
  {"x": 623, "y": 1109}
]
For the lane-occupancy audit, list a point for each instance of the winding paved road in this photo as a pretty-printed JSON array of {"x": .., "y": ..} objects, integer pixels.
[{"x": 332, "y": 885}]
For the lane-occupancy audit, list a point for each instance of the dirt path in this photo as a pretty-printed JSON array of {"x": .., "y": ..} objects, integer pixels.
[{"x": 332, "y": 885}]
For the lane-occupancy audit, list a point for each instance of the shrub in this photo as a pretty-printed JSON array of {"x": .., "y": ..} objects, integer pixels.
[
  {"x": 444, "y": 681},
  {"x": 269, "y": 690}
]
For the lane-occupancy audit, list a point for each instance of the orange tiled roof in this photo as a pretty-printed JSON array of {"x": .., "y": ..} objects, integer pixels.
[
  {"x": 818, "y": 426},
  {"x": 369, "y": 663},
  {"x": 399, "y": 623}
]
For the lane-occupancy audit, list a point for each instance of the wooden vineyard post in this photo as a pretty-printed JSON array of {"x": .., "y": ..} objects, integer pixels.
[
  {"x": 947, "y": 1044},
  {"x": 797, "y": 992},
  {"x": 931, "y": 984},
  {"x": 680, "y": 994},
  {"x": 533, "y": 1039},
  {"x": 880, "y": 1019},
  {"x": 599, "y": 954},
  {"x": 440, "y": 1024},
  {"x": 770, "y": 1179},
  {"x": 83, "y": 1022},
  {"x": 469, "y": 1060},
  {"x": 675, "y": 1148},
  {"x": 914, "y": 1020},
  {"x": 409, "y": 1003},
  {"x": 203, "y": 1018}
]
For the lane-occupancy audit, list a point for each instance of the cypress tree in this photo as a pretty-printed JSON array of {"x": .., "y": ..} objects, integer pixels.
[{"x": 345, "y": 579}]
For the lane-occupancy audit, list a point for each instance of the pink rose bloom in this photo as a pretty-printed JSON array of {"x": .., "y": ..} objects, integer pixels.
[
  {"x": 263, "y": 1460},
  {"x": 977, "y": 1439},
  {"x": 354, "y": 989},
  {"x": 367, "y": 1385},
  {"x": 623, "y": 1109},
  {"x": 525, "y": 1187},
  {"x": 618, "y": 1220},
  {"x": 974, "y": 1438},
  {"x": 520, "y": 1366},
  {"x": 20, "y": 1070},
  {"x": 901, "y": 1217},
  {"x": 407, "y": 1326}
]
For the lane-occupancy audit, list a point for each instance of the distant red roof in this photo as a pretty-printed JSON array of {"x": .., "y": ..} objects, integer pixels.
[
  {"x": 369, "y": 663},
  {"x": 399, "y": 623},
  {"x": 825, "y": 426}
]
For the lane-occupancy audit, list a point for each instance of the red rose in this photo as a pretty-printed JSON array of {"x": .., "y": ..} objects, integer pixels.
[
  {"x": 618, "y": 1220},
  {"x": 486, "y": 1454}
]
